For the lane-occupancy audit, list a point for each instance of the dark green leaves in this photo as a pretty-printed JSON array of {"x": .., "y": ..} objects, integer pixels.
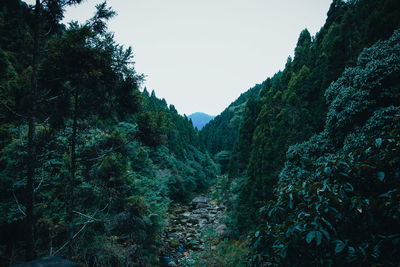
[
  {"x": 380, "y": 176},
  {"x": 340, "y": 246},
  {"x": 327, "y": 170},
  {"x": 317, "y": 235},
  {"x": 310, "y": 236},
  {"x": 291, "y": 200},
  {"x": 378, "y": 142},
  {"x": 336, "y": 200},
  {"x": 99, "y": 22}
]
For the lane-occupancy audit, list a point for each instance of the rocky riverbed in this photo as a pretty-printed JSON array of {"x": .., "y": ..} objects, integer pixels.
[{"x": 186, "y": 223}]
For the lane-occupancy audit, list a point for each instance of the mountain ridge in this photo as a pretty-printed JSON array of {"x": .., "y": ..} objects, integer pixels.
[{"x": 200, "y": 119}]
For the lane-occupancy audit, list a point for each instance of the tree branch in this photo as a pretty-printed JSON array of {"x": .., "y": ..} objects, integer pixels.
[
  {"x": 12, "y": 111},
  {"x": 91, "y": 220},
  {"x": 84, "y": 215},
  {"x": 18, "y": 205}
]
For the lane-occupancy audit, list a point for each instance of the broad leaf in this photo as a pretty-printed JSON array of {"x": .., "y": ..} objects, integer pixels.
[
  {"x": 310, "y": 236},
  {"x": 340, "y": 245}
]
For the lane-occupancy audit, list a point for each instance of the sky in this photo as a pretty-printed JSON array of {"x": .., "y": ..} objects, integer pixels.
[{"x": 200, "y": 55}]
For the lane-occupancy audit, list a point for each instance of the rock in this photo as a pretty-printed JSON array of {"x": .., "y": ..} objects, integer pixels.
[
  {"x": 186, "y": 222},
  {"x": 221, "y": 230},
  {"x": 166, "y": 259},
  {"x": 199, "y": 200},
  {"x": 205, "y": 216},
  {"x": 202, "y": 205},
  {"x": 180, "y": 210},
  {"x": 193, "y": 244},
  {"x": 173, "y": 230},
  {"x": 202, "y": 223},
  {"x": 174, "y": 244},
  {"x": 49, "y": 261},
  {"x": 194, "y": 220},
  {"x": 200, "y": 211}
]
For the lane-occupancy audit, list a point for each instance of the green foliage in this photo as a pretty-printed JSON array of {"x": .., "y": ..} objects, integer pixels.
[
  {"x": 358, "y": 92},
  {"x": 336, "y": 200},
  {"x": 292, "y": 106},
  {"x": 226, "y": 253},
  {"x": 241, "y": 151},
  {"x": 109, "y": 160},
  {"x": 222, "y": 132},
  {"x": 223, "y": 158},
  {"x": 229, "y": 253},
  {"x": 312, "y": 153},
  {"x": 308, "y": 122}
]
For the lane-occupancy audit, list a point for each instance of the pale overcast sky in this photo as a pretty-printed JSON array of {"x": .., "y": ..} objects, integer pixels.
[{"x": 200, "y": 55}]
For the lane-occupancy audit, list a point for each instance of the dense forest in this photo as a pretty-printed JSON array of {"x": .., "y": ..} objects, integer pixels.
[
  {"x": 306, "y": 163},
  {"x": 89, "y": 164},
  {"x": 313, "y": 169}
]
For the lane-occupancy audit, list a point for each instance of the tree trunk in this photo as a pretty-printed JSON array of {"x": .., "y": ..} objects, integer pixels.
[
  {"x": 72, "y": 181},
  {"x": 30, "y": 216}
]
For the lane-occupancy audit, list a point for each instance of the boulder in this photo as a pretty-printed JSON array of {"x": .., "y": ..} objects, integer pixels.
[
  {"x": 221, "y": 230},
  {"x": 48, "y": 262},
  {"x": 199, "y": 211},
  {"x": 172, "y": 263},
  {"x": 174, "y": 244},
  {"x": 202, "y": 223},
  {"x": 205, "y": 216},
  {"x": 202, "y": 205},
  {"x": 193, "y": 220},
  {"x": 201, "y": 200}
]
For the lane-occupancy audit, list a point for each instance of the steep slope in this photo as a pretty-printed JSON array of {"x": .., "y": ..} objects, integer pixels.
[
  {"x": 293, "y": 106},
  {"x": 350, "y": 26},
  {"x": 221, "y": 133},
  {"x": 336, "y": 202},
  {"x": 200, "y": 119}
]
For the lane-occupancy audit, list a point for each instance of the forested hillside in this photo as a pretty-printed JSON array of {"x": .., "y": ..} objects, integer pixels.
[
  {"x": 303, "y": 169},
  {"x": 313, "y": 170},
  {"x": 336, "y": 200},
  {"x": 293, "y": 105},
  {"x": 220, "y": 134},
  {"x": 89, "y": 164}
]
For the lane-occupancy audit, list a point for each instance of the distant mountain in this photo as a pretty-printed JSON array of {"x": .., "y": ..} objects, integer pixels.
[{"x": 200, "y": 119}]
